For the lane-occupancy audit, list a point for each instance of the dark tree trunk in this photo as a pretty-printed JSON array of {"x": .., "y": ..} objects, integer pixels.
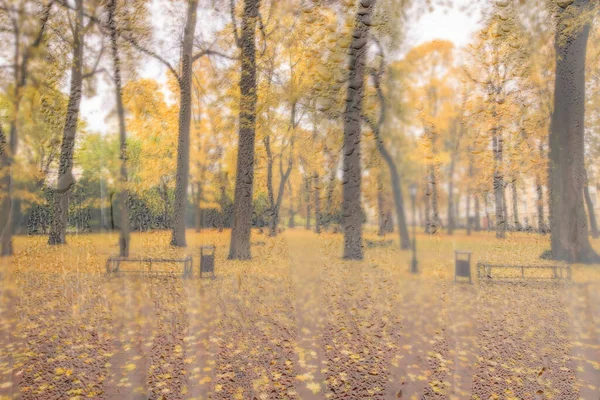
[
  {"x": 515, "y": 201},
  {"x": 568, "y": 225},
  {"x": 352, "y": 212},
  {"x": 380, "y": 210},
  {"x": 308, "y": 204},
  {"x": 198, "y": 209},
  {"x": 331, "y": 181},
  {"x": 457, "y": 210},
  {"x": 65, "y": 172},
  {"x": 112, "y": 212},
  {"x": 590, "y": 207},
  {"x": 404, "y": 240},
  {"x": 165, "y": 195},
  {"x": 6, "y": 204},
  {"x": 292, "y": 219},
  {"x": 124, "y": 193},
  {"x": 451, "y": 221},
  {"x": 185, "y": 116},
  {"x": 8, "y": 148},
  {"x": 497, "y": 148},
  {"x": 275, "y": 202},
  {"x": 317, "y": 203},
  {"x": 244, "y": 179}
]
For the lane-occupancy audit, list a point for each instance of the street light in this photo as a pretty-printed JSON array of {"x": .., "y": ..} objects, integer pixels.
[{"x": 413, "y": 195}]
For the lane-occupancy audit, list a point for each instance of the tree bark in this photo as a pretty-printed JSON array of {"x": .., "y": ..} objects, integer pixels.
[
  {"x": 404, "y": 239},
  {"x": 590, "y": 207},
  {"x": 568, "y": 225},
  {"x": 515, "y": 201},
  {"x": 497, "y": 148},
  {"x": 540, "y": 195},
  {"x": 477, "y": 220},
  {"x": 185, "y": 116},
  {"x": 352, "y": 212},
  {"x": 65, "y": 172},
  {"x": 451, "y": 221},
  {"x": 244, "y": 180},
  {"x": 308, "y": 203},
  {"x": 6, "y": 203},
  {"x": 317, "y": 203},
  {"x": 380, "y": 210},
  {"x": 468, "y": 213},
  {"x": 21, "y": 74},
  {"x": 124, "y": 193}
]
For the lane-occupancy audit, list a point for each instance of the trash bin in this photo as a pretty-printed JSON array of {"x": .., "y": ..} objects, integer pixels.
[
  {"x": 462, "y": 265},
  {"x": 207, "y": 260}
]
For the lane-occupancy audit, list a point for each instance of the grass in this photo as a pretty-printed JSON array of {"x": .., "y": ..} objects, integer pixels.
[{"x": 296, "y": 322}]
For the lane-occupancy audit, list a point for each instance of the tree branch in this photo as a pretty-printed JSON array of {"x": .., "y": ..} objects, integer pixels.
[
  {"x": 209, "y": 52},
  {"x": 236, "y": 35}
]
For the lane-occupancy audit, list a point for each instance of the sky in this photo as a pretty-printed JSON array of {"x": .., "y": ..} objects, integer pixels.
[{"x": 443, "y": 23}]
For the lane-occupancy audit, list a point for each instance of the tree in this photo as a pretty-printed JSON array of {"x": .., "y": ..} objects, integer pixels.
[
  {"x": 244, "y": 180},
  {"x": 124, "y": 193},
  {"x": 375, "y": 127},
  {"x": 65, "y": 172},
  {"x": 568, "y": 226},
  {"x": 25, "y": 49},
  {"x": 351, "y": 206}
]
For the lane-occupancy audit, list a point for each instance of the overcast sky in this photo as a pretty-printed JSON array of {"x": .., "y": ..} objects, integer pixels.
[{"x": 450, "y": 24}]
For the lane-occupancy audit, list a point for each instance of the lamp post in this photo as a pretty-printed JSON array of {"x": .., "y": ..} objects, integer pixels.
[{"x": 414, "y": 264}]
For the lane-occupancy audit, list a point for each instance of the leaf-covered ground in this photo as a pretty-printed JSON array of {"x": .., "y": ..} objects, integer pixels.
[{"x": 296, "y": 322}]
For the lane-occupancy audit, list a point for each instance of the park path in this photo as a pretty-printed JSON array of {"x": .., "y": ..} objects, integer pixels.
[
  {"x": 463, "y": 330},
  {"x": 200, "y": 348},
  {"x": 131, "y": 335},
  {"x": 306, "y": 266},
  {"x": 584, "y": 330},
  {"x": 9, "y": 343}
]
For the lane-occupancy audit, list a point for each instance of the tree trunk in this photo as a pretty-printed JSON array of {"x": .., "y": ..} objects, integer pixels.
[
  {"x": 515, "y": 201},
  {"x": 165, "y": 194},
  {"x": 352, "y": 212},
  {"x": 468, "y": 214},
  {"x": 308, "y": 205},
  {"x": 198, "y": 208},
  {"x": 6, "y": 203},
  {"x": 65, "y": 172},
  {"x": 21, "y": 74},
  {"x": 124, "y": 193},
  {"x": 451, "y": 221},
  {"x": 568, "y": 225},
  {"x": 185, "y": 116},
  {"x": 112, "y": 212},
  {"x": 434, "y": 222},
  {"x": 590, "y": 207},
  {"x": 591, "y": 213},
  {"x": 317, "y": 204},
  {"x": 497, "y": 148},
  {"x": 244, "y": 180},
  {"x": 380, "y": 209},
  {"x": 477, "y": 220}
]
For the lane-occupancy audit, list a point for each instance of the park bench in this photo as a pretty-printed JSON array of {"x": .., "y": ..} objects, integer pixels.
[
  {"x": 113, "y": 264},
  {"x": 484, "y": 271}
]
